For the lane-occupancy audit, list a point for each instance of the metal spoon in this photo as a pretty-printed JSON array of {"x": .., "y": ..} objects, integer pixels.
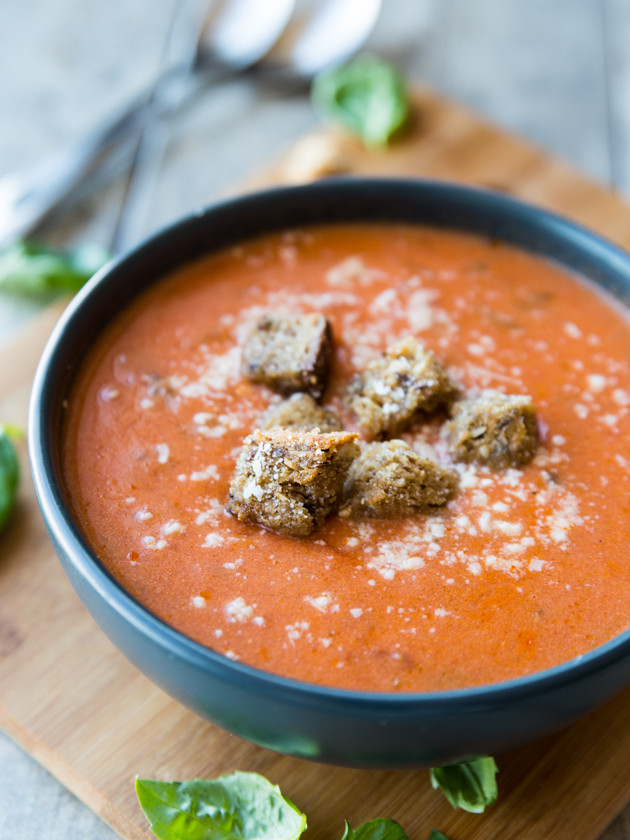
[
  {"x": 206, "y": 45},
  {"x": 28, "y": 197},
  {"x": 237, "y": 36},
  {"x": 331, "y": 33},
  {"x": 321, "y": 33}
]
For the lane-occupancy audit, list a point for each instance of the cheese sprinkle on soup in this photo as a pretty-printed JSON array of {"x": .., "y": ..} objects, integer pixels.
[{"x": 522, "y": 569}]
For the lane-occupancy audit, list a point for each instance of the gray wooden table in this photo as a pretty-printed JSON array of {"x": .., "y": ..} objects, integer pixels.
[{"x": 556, "y": 71}]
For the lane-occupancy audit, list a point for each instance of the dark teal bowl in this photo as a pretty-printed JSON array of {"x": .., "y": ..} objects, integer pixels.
[{"x": 323, "y": 724}]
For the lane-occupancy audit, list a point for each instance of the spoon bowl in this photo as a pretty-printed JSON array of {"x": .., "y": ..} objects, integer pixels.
[
  {"x": 238, "y": 33},
  {"x": 328, "y": 33}
]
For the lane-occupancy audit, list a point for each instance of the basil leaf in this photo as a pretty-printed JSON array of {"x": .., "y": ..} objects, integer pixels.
[
  {"x": 380, "y": 829},
  {"x": 437, "y": 835},
  {"x": 471, "y": 785},
  {"x": 348, "y": 833},
  {"x": 240, "y": 806},
  {"x": 9, "y": 476},
  {"x": 367, "y": 95},
  {"x": 13, "y": 431},
  {"x": 32, "y": 270}
]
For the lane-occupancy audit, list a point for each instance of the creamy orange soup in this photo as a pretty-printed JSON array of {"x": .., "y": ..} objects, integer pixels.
[{"x": 524, "y": 569}]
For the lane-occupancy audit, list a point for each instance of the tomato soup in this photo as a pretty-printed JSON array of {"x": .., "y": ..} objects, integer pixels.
[{"x": 523, "y": 569}]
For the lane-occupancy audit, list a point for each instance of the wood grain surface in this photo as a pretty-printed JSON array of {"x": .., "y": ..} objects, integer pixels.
[{"x": 86, "y": 714}]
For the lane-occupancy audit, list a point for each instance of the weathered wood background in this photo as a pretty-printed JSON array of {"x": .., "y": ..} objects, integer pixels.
[{"x": 556, "y": 71}]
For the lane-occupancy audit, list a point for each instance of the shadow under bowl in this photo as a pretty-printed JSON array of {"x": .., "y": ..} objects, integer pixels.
[{"x": 357, "y": 729}]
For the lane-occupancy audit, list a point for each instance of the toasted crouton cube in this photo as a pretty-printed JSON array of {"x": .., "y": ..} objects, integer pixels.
[
  {"x": 301, "y": 411},
  {"x": 494, "y": 429},
  {"x": 390, "y": 479},
  {"x": 407, "y": 379},
  {"x": 290, "y": 353},
  {"x": 289, "y": 481}
]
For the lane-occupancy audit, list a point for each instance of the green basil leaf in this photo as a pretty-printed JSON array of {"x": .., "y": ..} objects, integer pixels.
[
  {"x": 367, "y": 95},
  {"x": 32, "y": 270},
  {"x": 437, "y": 835},
  {"x": 240, "y": 806},
  {"x": 9, "y": 476},
  {"x": 348, "y": 833},
  {"x": 380, "y": 829},
  {"x": 13, "y": 431},
  {"x": 471, "y": 785}
]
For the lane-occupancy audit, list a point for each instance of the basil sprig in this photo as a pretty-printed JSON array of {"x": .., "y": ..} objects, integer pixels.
[
  {"x": 240, "y": 806},
  {"x": 368, "y": 96},
  {"x": 471, "y": 785},
  {"x": 9, "y": 475},
  {"x": 32, "y": 270}
]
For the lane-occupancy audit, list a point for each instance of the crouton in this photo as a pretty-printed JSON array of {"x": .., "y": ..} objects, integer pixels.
[
  {"x": 289, "y": 481},
  {"x": 289, "y": 353},
  {"x": 390, "y": 479},
  {"x": 494, "y": 429},
  {"x": 406, "y": 380},
  {"x": 301, "y": 411}
]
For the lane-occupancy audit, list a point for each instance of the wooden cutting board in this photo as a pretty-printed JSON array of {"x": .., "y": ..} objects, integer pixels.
[{"x": 80, "y": 708}]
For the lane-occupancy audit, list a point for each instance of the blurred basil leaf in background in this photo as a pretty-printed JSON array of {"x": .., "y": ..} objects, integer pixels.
[
  {"x": 9, "y": 473},
  {"x": 368, "y": 96},
  {"x": 32, "y": 270}
]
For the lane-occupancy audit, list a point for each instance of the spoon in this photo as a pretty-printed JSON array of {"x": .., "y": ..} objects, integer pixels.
[
  {"x": 321, "y": 33},
  {"x": 331, "y": 32},
  {"x": 202, "y": 36},
  {"x": 204, "y": 45},
  {"x": 233, "y": 37}
]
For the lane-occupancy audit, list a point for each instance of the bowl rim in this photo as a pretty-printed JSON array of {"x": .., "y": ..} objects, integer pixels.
[{"x": 85, "y": 563}]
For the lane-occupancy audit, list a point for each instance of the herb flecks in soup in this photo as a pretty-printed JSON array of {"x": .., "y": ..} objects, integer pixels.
[{"x": 522, "y": 568}]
